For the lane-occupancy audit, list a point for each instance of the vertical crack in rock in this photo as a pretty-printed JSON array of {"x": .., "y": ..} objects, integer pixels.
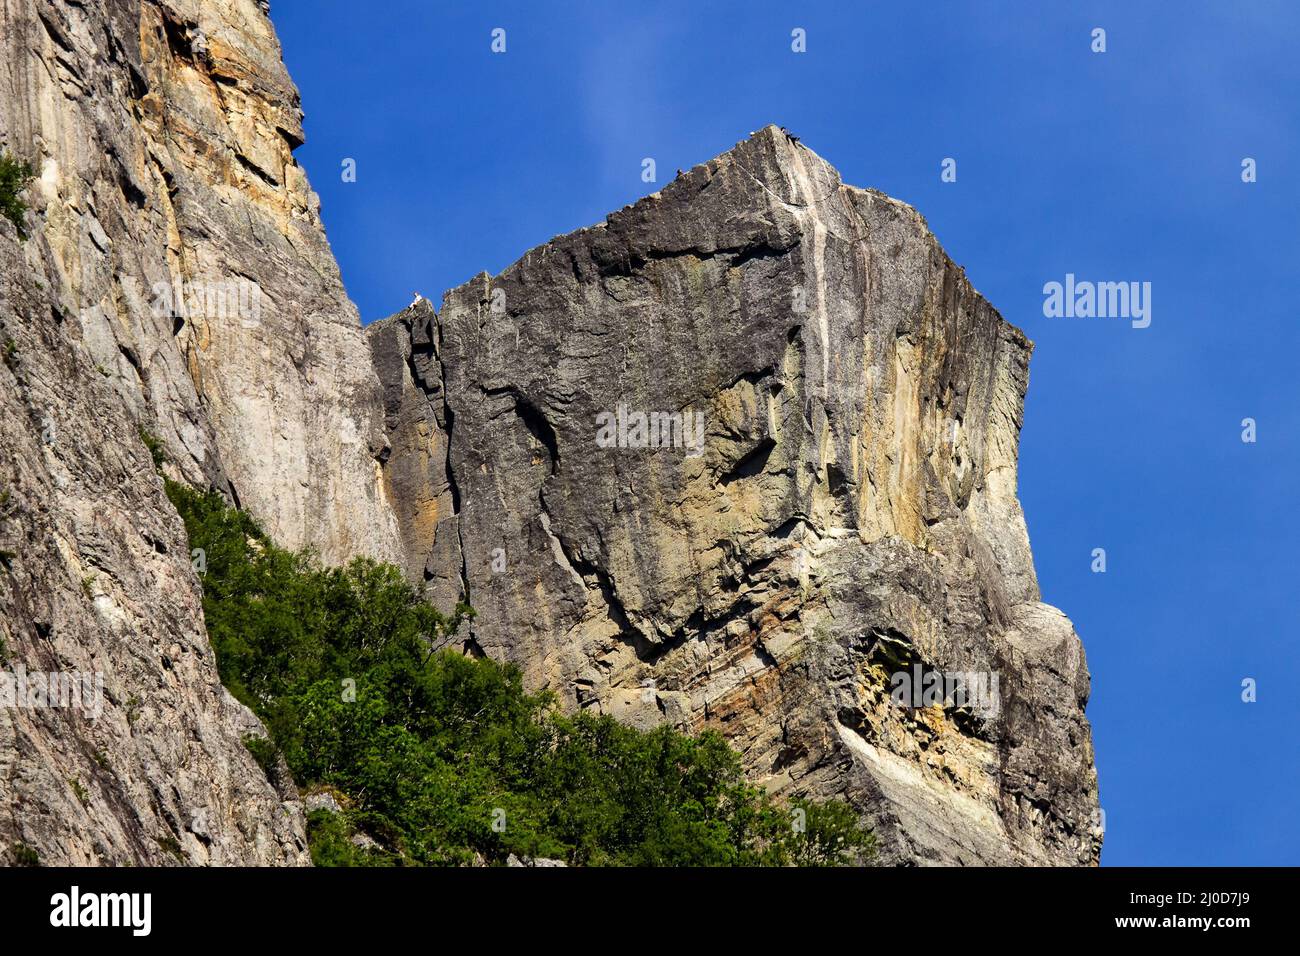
[
  {"x": 416, "y": 474},
  {"x": 450, "y": 467}
]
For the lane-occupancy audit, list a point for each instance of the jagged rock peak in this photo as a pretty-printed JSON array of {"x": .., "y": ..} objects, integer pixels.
[{"x": 743, "y": 456}]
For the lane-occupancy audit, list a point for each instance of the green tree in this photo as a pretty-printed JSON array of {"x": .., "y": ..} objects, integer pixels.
[
  {"x": 445, "y": 759},
  {"x": 14, "y": 177}
]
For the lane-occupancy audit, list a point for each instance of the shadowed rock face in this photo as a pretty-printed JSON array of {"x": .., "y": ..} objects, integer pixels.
[
  {"x": 416, "y": 477},
  {"x": 824, "y": 497}
]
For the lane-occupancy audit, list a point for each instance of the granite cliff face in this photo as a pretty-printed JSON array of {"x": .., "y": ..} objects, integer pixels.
[
  {"x": 177, "y": 281},
  {"x": 823, "y": 496}
]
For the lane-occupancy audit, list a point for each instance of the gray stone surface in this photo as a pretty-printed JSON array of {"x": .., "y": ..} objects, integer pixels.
[
  {"x": 415, "y": 475},
  {"x": 162, "y": 133},
  {"x": 851, "y": 511}
]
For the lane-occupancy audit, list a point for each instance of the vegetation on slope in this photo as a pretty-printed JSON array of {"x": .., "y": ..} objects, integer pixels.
[
  {"x": 14, "y": 177},
  {"x": 445, "y": 759}
]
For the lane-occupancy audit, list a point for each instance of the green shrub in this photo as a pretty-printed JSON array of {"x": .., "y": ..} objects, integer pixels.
[
  {"x": 14, "y": 177},
  {"x": 264, "y": 752},
  {"x": 330, "y": 838},
  {"x": 156, "y": 448},
  {"x": 24, "y": 855},
  {"x": 170, "y": 844},
  {"x": 446, "y": 759}
]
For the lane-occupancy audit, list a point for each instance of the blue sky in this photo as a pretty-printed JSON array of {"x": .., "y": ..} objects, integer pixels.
[{"x": 1118, "y": 166}]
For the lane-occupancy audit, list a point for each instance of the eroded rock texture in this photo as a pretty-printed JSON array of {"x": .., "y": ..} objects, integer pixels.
[
  {"x": 850, "y": 512},
  {"x": 416, "y": 477},
  {"x": 177, "y": 281},
  {"x": 846, "y": 511}
]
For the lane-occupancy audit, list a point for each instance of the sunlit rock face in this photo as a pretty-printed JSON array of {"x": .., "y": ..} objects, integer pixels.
[
  {"x": 742, "y": 457},
  {"x": 177, "y": 281}
]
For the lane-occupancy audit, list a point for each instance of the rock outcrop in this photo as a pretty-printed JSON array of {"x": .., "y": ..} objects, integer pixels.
[
  {"x": 177, "y": 282},
  {"x": 736, "y": 458},
  {"x": 416, "y": 477}
]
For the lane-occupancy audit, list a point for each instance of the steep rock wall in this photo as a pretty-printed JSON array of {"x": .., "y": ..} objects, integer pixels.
[
  {"x": 848, "y": 513},
  {"x": 177, "y": 281}
]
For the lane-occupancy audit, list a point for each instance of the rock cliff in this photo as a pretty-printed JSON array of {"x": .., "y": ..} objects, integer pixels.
[
  {"x": 177, "y": 282},
  {"x": 736, "y": 458}
]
